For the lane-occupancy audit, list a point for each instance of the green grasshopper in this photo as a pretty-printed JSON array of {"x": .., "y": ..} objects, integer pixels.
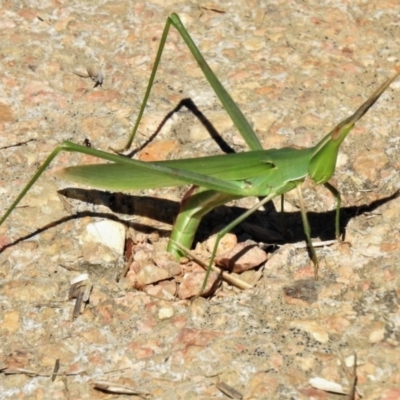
[{"x": 258, "y": 172}]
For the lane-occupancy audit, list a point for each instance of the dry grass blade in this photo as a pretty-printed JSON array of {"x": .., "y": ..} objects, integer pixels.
[
  {"x": 229, "y": 391},
  {"x": 55, "y": 370},
  {"x": 327, "y": 386},
  {"x": 80, "y": 289},
  {"x": 112, "y": 387},
  {"x": 353, "y": 390},
  {"x": 29, "y": 372}
]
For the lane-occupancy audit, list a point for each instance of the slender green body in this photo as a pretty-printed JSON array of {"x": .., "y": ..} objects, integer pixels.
[{"x": 266, "y": 173}]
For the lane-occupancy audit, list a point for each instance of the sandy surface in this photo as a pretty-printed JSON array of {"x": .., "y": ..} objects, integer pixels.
[{"x": 296, "y": 69}]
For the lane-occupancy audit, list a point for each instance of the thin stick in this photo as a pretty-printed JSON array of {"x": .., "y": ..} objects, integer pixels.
[{"x": 227, "y": 277}]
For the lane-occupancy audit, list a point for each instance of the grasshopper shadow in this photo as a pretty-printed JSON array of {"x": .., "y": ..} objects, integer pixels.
[
  {"x": 165, "y": 211},
  {"x": 322, "y": 223}
]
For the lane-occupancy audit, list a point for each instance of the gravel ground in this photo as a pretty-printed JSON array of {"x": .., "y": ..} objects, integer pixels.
[{"x": 296, "y": 69}]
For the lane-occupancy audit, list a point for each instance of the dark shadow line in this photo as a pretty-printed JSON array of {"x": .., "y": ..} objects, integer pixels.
[
  {"x": 191, "y": 106},
  {"x": 80, "y": 215}
]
